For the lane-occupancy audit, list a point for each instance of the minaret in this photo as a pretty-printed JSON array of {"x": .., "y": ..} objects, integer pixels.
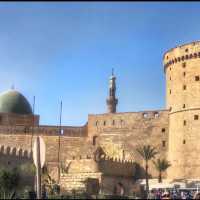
[{"x": 111, "y": 100}]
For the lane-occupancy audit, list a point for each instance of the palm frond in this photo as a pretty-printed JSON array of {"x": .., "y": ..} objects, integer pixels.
[
  {"x": 161, "y": 164},
  {"x": 147, "y": 152}
]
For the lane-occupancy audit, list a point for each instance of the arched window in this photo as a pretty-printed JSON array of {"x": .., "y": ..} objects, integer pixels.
[
  {"x": 197, "y": 78},
  {"x": 163, "y": 143},
  {"x": 163, "y": 130}
]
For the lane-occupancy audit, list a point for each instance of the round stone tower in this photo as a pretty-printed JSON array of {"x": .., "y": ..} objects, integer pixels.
[{"x": 182, "y": 69}]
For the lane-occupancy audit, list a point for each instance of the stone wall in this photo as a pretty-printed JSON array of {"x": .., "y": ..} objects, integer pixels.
[
  {"x": 12, "y": 119},
  {"x": 121, "y": 133}
]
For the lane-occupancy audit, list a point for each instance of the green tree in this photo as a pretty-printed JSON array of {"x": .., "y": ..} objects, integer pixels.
[
  {"x": 9, "y": 181},
  {"x": 147, "y": 152},
  {"x": 27, "y": 169},
  {"x": 161, "y": 166}
]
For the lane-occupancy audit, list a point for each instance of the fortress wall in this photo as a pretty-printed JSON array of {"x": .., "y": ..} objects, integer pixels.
[
  {"x": 69, "y": 146},
  {"x": 182, "y": 68},
  {"x": 16, "y": 119},
  {"x": 23, "y": 142},
  {"x": 136, "y": 129},
  {"x": 74, "y": 147}
]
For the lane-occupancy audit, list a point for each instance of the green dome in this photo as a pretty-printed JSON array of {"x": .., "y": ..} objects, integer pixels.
[{"x": 12, "y": 101}]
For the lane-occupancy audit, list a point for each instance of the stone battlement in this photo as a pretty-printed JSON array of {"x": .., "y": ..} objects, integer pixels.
[
  {"x": 45, "y": 130},
  {"x": 181, "y": 54},
  {"x": 15, "y": 151},
  {"x": 108, "y": 166}
]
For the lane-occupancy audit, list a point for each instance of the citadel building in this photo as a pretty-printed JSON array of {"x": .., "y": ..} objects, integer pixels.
[{"x": 103, "y": 151}]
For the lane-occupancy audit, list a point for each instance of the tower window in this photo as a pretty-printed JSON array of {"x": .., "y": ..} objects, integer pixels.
[
  {"x": 184, "y": 142},
  {"x": 184, "y": 74},
  {"x": 170, "y": 78},
  {"x": 170, "y": 91},
  {"x": 184, "y": 64},
  {"x": 170, "y": 68},
  {"x": 184, "y": 122},
  {"x": 184, "y": 87},
  {"x": 104, "y": 123},
  {"x": 186, "y": 50},
  {"x": 163, "y": 130},
  {"x": 196, "y": 117},
  {"x": 113, "y": 122},
  {"x": 196, "y": 78},
  {"x": 183, "y": 105},
  {"x": 163, "y": 143},
  {"x": 94, "y": 140}
]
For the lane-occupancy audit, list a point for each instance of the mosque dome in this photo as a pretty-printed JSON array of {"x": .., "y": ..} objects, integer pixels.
[{"x": 12, "y": 101}]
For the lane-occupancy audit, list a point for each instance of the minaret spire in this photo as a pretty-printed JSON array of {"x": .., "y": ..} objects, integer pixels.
[{"x": 112, "y": 100}]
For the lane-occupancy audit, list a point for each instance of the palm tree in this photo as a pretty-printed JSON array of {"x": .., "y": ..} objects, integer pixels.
[
  {"x": 147, "y": 152},
  {"x": 161, "y": 165}
]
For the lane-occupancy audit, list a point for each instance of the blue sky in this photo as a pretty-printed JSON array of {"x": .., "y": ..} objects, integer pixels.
[{"x": 66, "y": 50}]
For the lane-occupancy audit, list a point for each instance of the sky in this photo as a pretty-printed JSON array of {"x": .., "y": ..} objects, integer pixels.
[{"x": 66, "y": 50}]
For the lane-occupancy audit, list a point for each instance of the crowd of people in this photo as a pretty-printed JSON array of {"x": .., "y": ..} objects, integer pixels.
[{"x": 173, "y": 194}]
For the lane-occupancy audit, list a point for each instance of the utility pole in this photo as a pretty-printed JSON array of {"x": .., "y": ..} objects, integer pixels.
[
  {"x": 60, "y": 128},
  {"x": 38, "y": 169},
  {"x": 33, "y": 122}
]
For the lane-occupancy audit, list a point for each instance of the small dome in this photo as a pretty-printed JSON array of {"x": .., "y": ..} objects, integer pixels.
[{"x": 12, "y": 101}]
